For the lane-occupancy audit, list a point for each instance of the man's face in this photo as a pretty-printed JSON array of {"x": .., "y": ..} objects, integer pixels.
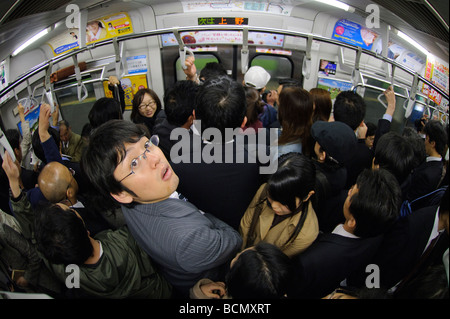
[
  {"x": 348, "y": 201},
  {"x": 428, "y": 145},
  {"x": 152, "y": 180},
  {"x": 64, "y": 133}
]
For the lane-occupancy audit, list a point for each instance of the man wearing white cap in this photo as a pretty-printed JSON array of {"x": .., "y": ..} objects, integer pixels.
[{"x": 256, "y": 77}]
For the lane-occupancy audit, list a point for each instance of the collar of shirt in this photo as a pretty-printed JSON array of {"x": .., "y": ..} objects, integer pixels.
[
  {"x": 433, "y": 158},
  {"x": 339, "y": 230},
  {"x": 434, "y": 231}
]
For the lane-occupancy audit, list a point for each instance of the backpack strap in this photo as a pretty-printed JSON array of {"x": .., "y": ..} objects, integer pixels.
[{"x": 258, "y": 209}]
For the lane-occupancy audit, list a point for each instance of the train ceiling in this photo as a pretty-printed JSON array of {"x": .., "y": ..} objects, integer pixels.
[{"x": 20, "y": 19}]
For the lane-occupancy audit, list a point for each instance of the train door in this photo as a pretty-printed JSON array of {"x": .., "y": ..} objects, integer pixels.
[{"x": 279, "y": 63}]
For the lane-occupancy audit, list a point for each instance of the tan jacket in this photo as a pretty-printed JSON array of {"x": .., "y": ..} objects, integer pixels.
[{"x": 279, "y": 234}]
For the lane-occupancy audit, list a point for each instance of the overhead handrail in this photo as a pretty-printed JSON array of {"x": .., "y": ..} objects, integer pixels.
[
  {"x": 80, "y": 85},
  {"x": 392, "y": 84},
  {"x": 183, "y": 50},
  {"x": 244, "y": 51},
  {"x": 43, "y": 66},
  {"x": 306, "y": 68},
  {"x": 412, "y": 96}
]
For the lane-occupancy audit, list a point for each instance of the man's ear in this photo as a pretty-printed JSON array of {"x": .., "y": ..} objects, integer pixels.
[
  {"x": 375, "y": 166},
  {"x": 122, "y": 197},
  {"x": 244, "y": 122},
  {"x": 351, "y": 222},
  {"x": 322, "y": 156}
]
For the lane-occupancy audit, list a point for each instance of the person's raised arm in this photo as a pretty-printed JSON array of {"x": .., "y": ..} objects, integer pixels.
[
  {"x": 44, "y": 124},
  {"x": 191, "y": 70},
  {"x": 12, "y": 171}
]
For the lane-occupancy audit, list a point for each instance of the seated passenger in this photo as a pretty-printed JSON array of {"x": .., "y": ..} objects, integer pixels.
[
  {"x": 218, "y": 173},
  {"x": 428, "y": 175},
  {"x": 258, "y": 272},
  {"x": 179, "y": 101},
  {"x": 72, "y": 143},
  {"x": 370, "y": 210},
  {"x": 281, "y": 213},
  {"x": 111, "y": 264},
  {"x": 187, "y": 245}
]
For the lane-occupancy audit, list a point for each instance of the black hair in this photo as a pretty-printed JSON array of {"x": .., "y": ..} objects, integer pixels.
[
  {"x": 106, "y": 150},
  {"x": 220, "y": 103},
  {"x": 395, "y": 154},
  {"x": 261, "y": 272},
  {"x": 349, "y": 108},
  {"x": 371, "y": 129},
  {"x": 61, "y": 235},
  {"x": 13, "y": 137},
  {"x": 179, "y": 102},
  {"x": 416, "y": 141},
  {"x": 376, "y": 205},
  {"x": 436, "y": 133},
  {"x": 211, "y": 70},
  {"x": 103, "y": 110}
]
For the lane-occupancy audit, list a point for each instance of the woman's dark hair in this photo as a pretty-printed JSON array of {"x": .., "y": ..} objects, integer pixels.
[
  {"x": 261, "y": 272},
  {"x": 295, "y": 112},
  {"x": 61, "y": 235},
  {"x": 322, "y": 104},
  {"x": 294, "y": 178},
  {"x": 254, "y": 105}
]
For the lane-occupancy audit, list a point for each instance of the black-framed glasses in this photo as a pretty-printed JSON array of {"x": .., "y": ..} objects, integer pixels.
[
  {"x": 151, "y": 104},
  {"x": 135, "y": 162}
]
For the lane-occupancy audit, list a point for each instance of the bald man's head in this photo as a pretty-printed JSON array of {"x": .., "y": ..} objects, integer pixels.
[{"x": 56, "y": 183}]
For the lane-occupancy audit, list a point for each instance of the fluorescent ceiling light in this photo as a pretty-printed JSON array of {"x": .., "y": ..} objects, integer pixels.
[
  {"x": 413, "y": 42},
  {"x": 30, "y": 41},
  {"x": 337, "y": 4}
]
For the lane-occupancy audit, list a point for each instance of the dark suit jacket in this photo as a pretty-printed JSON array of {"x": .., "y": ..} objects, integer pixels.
[
  {"x": 425, "y": 179},
  {"x": 163, "y": 131},
  {"x": 361, "y": 159},
  {"x": 221, "y": 189},
  {"x": 403, "y": 245},
  {"x": 329, "y": 260}
]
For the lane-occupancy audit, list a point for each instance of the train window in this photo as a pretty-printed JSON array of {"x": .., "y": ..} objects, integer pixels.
[
  {"x": 277, "y": 66},
  {"x": 200, "y": 62},
  {"x": 72, "y": 110}
]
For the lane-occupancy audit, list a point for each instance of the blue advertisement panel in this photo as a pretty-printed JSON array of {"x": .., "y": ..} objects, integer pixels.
[{"x": 352, "y": 33}]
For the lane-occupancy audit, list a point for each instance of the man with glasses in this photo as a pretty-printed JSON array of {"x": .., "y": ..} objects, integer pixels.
[{"x": 122, "y": 162}]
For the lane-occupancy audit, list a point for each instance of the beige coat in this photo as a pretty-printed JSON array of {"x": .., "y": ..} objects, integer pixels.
[{"x": 279, "y": 234}]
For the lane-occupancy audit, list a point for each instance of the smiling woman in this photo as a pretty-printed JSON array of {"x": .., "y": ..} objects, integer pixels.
[{"x": 146, "y": 108}]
